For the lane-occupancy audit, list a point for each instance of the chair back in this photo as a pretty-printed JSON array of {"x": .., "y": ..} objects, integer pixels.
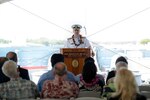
[
  {"x": 145, "y": 90},
  {"x": 88, "y": 98},
  {"x": 89, "y": 94}
]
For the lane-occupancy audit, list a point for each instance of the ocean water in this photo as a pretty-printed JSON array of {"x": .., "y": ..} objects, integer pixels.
[
  {"x": 39, "y": 56},
  {"x": 31, "y": 56}
]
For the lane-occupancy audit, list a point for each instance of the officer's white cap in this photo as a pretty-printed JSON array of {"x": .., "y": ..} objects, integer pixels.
[{"x": 76, "y": 26}]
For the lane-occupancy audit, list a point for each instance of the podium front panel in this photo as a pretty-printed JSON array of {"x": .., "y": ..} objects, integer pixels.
[{"x": 74, "y": 58}]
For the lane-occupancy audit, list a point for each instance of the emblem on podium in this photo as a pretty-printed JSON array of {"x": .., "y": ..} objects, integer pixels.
[{"x": 75, "y": 63}]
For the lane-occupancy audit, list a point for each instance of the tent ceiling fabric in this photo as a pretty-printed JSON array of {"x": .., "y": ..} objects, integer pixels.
[{"x": 3, "y": 1}]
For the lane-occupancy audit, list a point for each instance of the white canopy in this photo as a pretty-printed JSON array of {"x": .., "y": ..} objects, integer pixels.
[
  {"x": 104, "y": 20},
  {"x": 3, "y": 1}
]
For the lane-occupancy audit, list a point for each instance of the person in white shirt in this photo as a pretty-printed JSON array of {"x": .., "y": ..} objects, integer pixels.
[{"x": 77, "y": 40}]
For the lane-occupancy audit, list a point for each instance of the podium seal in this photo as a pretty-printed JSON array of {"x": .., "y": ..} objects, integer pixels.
[{"x": 75, "y": 63}]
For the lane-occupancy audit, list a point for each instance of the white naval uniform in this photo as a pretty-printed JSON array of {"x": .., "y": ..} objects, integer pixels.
[{"x": 70, "y": 43}]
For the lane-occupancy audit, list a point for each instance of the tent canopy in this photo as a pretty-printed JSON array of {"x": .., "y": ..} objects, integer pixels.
[{"x": 3, "y": 1}]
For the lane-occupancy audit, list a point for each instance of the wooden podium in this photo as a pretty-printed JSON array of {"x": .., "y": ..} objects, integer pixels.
[{"x": 74, "y": 58}]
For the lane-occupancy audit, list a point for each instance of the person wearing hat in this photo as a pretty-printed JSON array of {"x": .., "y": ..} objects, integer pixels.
[{"x": 77, "y": 40}]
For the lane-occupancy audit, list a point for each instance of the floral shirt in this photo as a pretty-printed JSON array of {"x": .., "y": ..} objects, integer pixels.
[
  {"x": 59, "y": 89},
  {"x": 50, "y": 76},
  {"x": 18, "y": 89}
]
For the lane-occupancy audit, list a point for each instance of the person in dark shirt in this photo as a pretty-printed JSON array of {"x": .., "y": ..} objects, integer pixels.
[
  {"x": 120, "y": 62},
  {"x": 109, "y": 87},
  {"x": 23, "y": 72},
  {"x": 3, "y": 78},
  {"x": 89, "y": 59}
]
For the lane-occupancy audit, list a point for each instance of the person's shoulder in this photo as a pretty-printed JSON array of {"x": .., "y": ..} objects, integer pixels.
[
  {"x": 101, "y": 79},
  {"x": 83, "y": 37},
  {"x": 99, "y": 76},
  {"x": 22, "y": 69},
  {"x": 48, "y": 81},
  {"x": 24, "y": 81},
  {"x": 112, "y": 73},
  {"x": 4, "y": 84},
  {"x": 77, "y": 77},
  {"x": 29, "y": 83},
  {"x": 70, "y": 73},
  {"x": 71, "y": 76},
  {"x": 69, "y": 38},
  {"x": 3, "y": 78},
  {"x": 45, "y": 75}
]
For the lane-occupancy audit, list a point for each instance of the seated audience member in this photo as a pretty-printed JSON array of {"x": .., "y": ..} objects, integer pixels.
[
  {"x": 89, "y": 59},
  {"x": 55, "y": 58},
  {"x": 3, "y": 78},
  {"x": 89, "y": 79},
  {"x": 126, "y": 87},
  {"x": 120, "y": 61},
  {"x": 23, "y": 72},
  {"x": 109, "y": 88},
  {"x": 16, "y": 88},
  {"x": 59, "y": 87}
]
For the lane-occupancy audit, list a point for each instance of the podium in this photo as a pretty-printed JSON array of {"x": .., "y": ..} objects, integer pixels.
[{"x": 74, "y": 58}]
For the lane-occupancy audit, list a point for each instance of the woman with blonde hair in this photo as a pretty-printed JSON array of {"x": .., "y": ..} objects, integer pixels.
[{"x": 126, "y": 87}]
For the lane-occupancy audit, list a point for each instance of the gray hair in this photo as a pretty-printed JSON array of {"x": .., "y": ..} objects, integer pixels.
[
  {"x": 121, "y": 64},
  {"x": 10, "y": 69}
]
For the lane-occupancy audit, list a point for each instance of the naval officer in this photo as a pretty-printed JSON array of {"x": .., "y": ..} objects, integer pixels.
[{"x": 77, "y": 40}]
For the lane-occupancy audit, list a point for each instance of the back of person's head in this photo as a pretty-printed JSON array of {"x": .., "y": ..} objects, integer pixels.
[
  {"x": 12, "y": 56},
  {"x": 121, "y": 62},
  {"x": 120, "y": 65},
  {"x": 121, "y": 59},
  {"x": 55, "y": 58},
  {"x": 89, "y": 59},
  {"x": 2, "y": 61},
  {"x": 9, "y": 68},
  {"x": 89, "y": 71},
  {"x": 60, "y": 68},
  {"x": 125, "y": 84}
]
